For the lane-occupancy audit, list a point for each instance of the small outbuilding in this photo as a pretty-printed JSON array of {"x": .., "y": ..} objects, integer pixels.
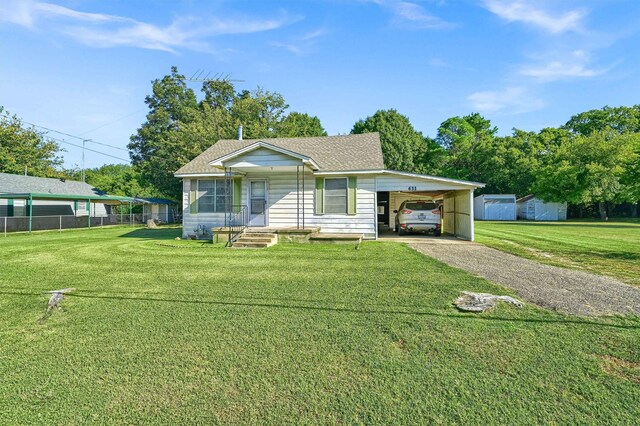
[
  {"x": 534, "y": 208},
  {"x": 495, "y": 207},
  {"x": 159, "y": 209}
]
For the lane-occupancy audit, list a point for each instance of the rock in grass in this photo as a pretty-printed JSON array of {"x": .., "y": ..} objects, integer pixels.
[
  {"x": 56, "y": 297},
  {"x": 480, "y": 302}
]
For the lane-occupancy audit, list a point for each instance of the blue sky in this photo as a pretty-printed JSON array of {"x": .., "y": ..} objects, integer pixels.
[{"x": 84, "y": 67}]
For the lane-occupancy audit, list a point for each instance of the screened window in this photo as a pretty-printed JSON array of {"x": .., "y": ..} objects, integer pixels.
[
  {"x": 335, "y": 195},
  {"x": 212, "y": 195}
]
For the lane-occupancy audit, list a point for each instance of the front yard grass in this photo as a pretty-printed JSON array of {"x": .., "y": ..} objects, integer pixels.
[
  {"x": 606, "y": 248},
  {"x": 164, "y": 331}
]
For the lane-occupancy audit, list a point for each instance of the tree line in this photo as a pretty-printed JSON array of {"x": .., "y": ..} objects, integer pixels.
[{"x": 591, "y": 162}]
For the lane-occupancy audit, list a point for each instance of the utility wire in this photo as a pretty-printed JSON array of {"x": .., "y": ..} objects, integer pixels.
[
  {"x": 88, "y": 149},
  {"x": 111, "y": 122},
  {"x": 74, "y": 136}
]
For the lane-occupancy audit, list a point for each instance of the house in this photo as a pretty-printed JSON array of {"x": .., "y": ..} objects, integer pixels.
[
  {"x": 495, "y": 207},
  {"x": 159, "y": 209},
  {"x": 533, "y": 208},
  {"x": 333, "y": 184},
  {"x": 49, "y": 201}
]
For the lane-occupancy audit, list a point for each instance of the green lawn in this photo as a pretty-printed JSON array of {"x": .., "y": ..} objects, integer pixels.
[
  {"x": 607, "y": 248},
  {"x": 164, "y": 331}
]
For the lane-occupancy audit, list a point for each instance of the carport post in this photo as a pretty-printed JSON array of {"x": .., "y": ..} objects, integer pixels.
[
  {"x": 130, "y": 214},
  {"x": 471, "y": 216},
  {"x": 30, "y": 211}
]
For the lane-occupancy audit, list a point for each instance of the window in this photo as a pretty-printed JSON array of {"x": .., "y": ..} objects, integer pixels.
[
  {"x": 212, "y": 195},
  {"x": 335, "y": 195}
]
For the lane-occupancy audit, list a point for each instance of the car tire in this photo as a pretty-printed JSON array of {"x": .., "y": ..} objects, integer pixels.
[
  {"x": 437, "y": 233},
  {"x": 401, "y": 231}
]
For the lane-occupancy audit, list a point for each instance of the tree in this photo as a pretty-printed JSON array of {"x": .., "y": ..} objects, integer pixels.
[
  {"x": 150, "y": 149},
  {"x": 25, "y": 148},
  {"x": 587, "y": 169},
  {"x": 179, "y": 127},
  {"x": 118, "y": 179},
  {"x": 403, "y": 147},
  {"x": 297, "y": 124},
  {"x": 619, "y": 119},
  {"x": 469, "y": 142}
]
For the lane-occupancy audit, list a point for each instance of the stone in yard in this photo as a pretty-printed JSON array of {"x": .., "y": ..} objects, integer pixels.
[{"x": 480, "y": 302}]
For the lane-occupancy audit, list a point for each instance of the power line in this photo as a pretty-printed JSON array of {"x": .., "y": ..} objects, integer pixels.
[
  {"x": 111, "y": 122},
  {"x": 74, "y": 136},
  {"x": 88, "y": 149}
]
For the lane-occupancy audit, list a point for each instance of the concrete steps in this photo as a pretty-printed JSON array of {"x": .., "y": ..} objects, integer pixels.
[
  {"x": 335, "y": 238},
  {"x": 255, "y": 240}
]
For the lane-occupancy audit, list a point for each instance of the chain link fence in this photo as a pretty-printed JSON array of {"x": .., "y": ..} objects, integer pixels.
[{"x": 10, "y": 224}]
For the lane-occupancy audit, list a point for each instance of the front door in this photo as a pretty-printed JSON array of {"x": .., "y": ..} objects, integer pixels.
[{"x": 257, "y": 202}]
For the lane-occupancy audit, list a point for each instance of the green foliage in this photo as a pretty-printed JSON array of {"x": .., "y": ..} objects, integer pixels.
[
  {"x": 118, "y": 179},
  {"x": 297, "y": 124},
  {"x": 22, "y": 147},
  {"x": 619, "y": 119},
  {"x": 403, "y": 147},
  {"x": 587, "y": 169},
  {"x": 179, "y": 127}
]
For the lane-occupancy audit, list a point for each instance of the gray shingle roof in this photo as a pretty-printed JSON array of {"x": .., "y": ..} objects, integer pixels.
[
  {"x": 331, "y": 153},
  {"x": 19, "y": 184}
]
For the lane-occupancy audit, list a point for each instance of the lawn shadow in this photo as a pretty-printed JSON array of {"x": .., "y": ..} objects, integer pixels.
[
  {"x": 454, "y": 315},
  {"x": 607, "y": 225},
  {"x": 154, "y": 234}
]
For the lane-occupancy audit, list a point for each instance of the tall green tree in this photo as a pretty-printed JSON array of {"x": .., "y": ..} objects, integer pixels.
[
  {"x": 152, "y": 149},
  {"x": 469, "y": 142},
  {"x": 25, "y": 148},
  {"x": 587, "y": 169},
  {"x": 118, "y": 179},
  {"x": 621, "y": 119},
  {"x": 179, "y": 126},
  {"x": 403, "y": 147},
  {"x": 297, "y": 124}
]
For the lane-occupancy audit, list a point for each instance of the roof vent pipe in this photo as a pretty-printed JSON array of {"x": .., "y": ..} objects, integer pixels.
[{"x": 240, "y": 132}]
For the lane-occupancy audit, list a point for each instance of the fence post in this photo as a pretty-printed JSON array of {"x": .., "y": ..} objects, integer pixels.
[
  {"x": 60, "y": 217},
  {"x": 101, "y": 220},
  {"x": 5, "y": 227}
]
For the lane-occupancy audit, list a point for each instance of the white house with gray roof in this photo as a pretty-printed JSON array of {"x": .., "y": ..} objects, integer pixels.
[{"x": 332, "y": 184}]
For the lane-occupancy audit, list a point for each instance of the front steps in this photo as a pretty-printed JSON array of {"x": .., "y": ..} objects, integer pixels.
[{"x": 255, "y": 240}]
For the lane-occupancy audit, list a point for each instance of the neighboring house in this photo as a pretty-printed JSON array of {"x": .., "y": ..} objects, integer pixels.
[
  {"x": 335, "y": 183},
  {"x": 495, "y": 207},
  {"x": 159, "y": 209},
  {"x": 533, "y": 208},
  {"x": 51, "y": 197}
]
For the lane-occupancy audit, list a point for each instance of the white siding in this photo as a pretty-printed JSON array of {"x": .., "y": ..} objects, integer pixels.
[
  {"x": 406, "y": 183},
  {"x": 283, "y": 206},
  {"x": 263, "y": 157}
]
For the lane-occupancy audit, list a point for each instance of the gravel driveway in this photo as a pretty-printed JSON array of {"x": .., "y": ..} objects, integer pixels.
[{"x": 565, "y": 290}]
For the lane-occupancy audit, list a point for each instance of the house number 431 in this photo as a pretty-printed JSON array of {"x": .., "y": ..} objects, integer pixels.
[{"x": 413, "y": 188}]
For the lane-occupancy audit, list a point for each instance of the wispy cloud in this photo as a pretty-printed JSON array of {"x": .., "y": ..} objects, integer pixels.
[
  {"x": 515, "y": 100},
  {"x": 103, "y": 30},
  {"x": 300, "y": 45},
  {"x": 412, "y": 15},
  {"x": 530, "y": 13},
  {"x": 574, "y": 65}
]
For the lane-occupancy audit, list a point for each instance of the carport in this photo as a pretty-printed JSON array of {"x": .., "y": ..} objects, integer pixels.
[{"x": 394, "y": 187}]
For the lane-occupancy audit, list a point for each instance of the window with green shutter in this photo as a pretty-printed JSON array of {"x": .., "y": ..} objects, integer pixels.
[{"x": 336, "y": 195}]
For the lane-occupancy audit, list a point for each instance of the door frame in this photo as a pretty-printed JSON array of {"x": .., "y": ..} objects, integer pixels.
[{"x": 266, "y": 200}]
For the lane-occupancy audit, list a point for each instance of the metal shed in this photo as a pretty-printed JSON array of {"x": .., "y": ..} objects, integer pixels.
[
  {"x": 495, "y": 207},
  {"x": 534, "y": 208}
]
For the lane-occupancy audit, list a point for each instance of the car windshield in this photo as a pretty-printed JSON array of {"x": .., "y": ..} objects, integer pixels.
[{"x": 421, "y": 205}]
